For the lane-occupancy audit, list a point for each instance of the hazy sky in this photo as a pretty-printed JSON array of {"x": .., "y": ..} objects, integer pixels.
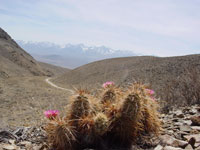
[{"x": 151, "y": 27}]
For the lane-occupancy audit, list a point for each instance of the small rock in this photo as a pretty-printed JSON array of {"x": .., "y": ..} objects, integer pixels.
[
  {"x": 179, "y": 114},
  {"x": 185, "y": 110},
  {"x": 189, "y": 147},
  {"x": 192, "y": 142},
  {"x": 24, "y": 143},
  {"x": 175, "y": 119},
  {"x": 197, "y": 145},
  {"x": 185, "y": 128},
  {"x": 38, "y": 147},
  {"x": 196, "y": 128},
  {"x": 193, "y": 111},
  {"x": 178, "y": 124},
  {"x": 170, "y": 132},
  {"x": 187, "y": 122},
  {"x": 183, "y": 133},
  {"x": 12, "y": 142},
  {"x": 6, "y": 135},
  {"x": 9, "y": 147},
  {"x": 195, "y": 136},
  {"x": 159, "y": 147},
  {"x": 169, "y": 140},
  {"x": 171, "y": 148},
  {"x": 198, "y": 109},
  {"x": 162, "y": 115},
  {"x": 195, "y": 121}
]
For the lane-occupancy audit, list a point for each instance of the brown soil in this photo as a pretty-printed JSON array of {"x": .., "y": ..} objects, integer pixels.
[
  {"x": 24, "y": 99},
  {"x": 53, "y": 70}
]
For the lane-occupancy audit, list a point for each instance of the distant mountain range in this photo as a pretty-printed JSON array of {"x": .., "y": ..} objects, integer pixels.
[{"x": 71, "y": 56}]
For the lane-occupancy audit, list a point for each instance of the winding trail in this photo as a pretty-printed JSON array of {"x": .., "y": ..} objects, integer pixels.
[{"x": 47, "y": 80}]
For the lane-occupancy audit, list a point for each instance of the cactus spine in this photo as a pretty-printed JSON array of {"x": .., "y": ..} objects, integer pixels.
[
  {"x": 116, "y": 120},
  {"x": 60, "y": 134},
  {"x": 101, "y": 124}
]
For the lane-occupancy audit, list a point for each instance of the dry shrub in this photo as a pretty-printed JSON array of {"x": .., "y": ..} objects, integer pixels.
[
  {"x": 184, "y": 90},
  {"x": 116, "y": 118}
]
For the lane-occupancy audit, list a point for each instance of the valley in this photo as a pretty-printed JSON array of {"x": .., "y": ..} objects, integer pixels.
[
  {"x": 24, "y": 94},
  {"x": 28, "y": 88}
]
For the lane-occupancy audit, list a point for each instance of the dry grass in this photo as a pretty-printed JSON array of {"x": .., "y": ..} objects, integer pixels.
[
  {"x": 184, "y": 90},
  {"x": 167, "y": 76},
  {"x": 154, "y": 70},
  {"x": 53, "y": 70},
  {"x": 24, "y": 99}
]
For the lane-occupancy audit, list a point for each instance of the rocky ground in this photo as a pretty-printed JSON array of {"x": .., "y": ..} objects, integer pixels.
[{"x": 181, "y": 130}]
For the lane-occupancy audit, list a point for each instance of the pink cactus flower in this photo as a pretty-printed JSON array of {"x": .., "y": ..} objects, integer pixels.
[
  {"x": 108, "y": 84},
  {"x": 151, "y": 92},
  {"x": 51, "y": 114}
]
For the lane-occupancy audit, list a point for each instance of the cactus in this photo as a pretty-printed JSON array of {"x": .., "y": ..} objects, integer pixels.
[
  {"x": 109, "y": 96},
  {"x": 80, "y": 107},
  {"x": 150, "y": 118},
  {"x": 124, "y": 125},
  {"x": 60, "y": 134},
  {"x": 85, "y": 131},
  {"x": 101, "y": 124},
  {"x": 81, "y": 114},
  {"x": 109, "y": 99},
  {"x": 113, "y": 119}
]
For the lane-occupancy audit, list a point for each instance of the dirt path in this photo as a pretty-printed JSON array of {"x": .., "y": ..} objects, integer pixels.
[{"x": 52, "y": 84}]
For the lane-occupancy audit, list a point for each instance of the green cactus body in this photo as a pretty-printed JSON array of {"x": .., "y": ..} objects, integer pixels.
[
  {"x": 115, "y": 121},
  {"x": 101, "y": 124},
  {"x": 150, "y": 120},
  {"x": 61, "y": 135},
  {"x": 109, "y": 96},
  {"x": 124, "y": 124},
  {"x": 80, "y": 107},
  {"x": 131, "y": 106}
]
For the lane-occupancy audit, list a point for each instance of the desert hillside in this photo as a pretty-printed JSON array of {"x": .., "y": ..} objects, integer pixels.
[
  {"x": 154, "y": 70},
  {"x": 14, "y": 61},
  {"x": 23, "y": 89},
  {"x": 170, "y": 77},
  {"x": 53, "y": 70}
]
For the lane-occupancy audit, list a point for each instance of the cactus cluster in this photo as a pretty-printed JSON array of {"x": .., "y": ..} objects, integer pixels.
[{"x": 116, "y": 118}]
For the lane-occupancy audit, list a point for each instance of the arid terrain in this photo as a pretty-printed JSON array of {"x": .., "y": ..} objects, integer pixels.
[
  {"x": 24, "y": 100},
  {"x": 154, "y": 70},
  {"x": 24, "y": 93},
  {"x": 14, "y": 60},
  {"x": 170, "y": 77},
  {"x": 53, "y": 70},
  {"x": 23, "y": 86},
  {"x": 28, "y": 88}
]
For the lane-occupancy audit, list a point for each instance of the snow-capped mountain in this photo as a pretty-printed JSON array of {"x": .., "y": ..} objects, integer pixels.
[{"x": 70, "y": 55}]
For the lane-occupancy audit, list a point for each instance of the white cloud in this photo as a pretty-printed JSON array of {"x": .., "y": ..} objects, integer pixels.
[{"x": 167, "y": 27}]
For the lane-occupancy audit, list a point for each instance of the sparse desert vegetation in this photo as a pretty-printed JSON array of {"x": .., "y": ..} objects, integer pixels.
[
  {"x": 121, "y": 115},
  {"x": 117, "y": 118},
  {"x": 24, "y": 100},
  {"x": 182, "y": 91},
  {"x": 175, "y": 79}
]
